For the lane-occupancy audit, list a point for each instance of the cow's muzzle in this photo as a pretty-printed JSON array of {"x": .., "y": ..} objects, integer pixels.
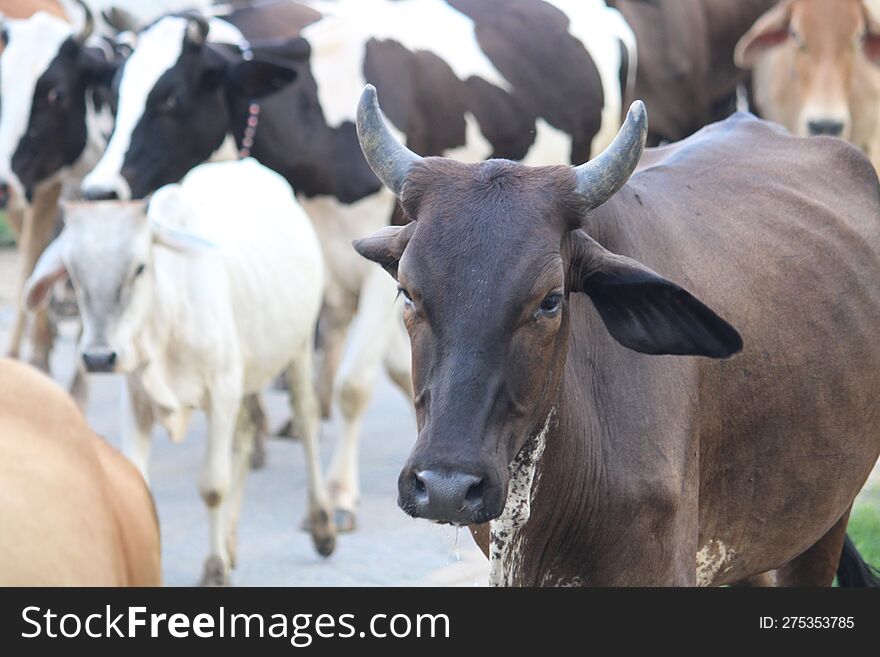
[
  {"x": 99, "y": 360},
  {"x": 449, "y": 496}
]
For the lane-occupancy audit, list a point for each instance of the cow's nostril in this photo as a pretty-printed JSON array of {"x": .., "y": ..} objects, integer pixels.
[
  {"x": 474, "y": 495},
  {"x": 419, "y": 487},
  {"x": 99, "y": 361},
  {"x": 829, "y": 127}
]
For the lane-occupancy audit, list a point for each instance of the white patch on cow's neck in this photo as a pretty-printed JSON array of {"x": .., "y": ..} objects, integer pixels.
[
  {"x": 158, "y": 49},
  {"x": 713, "y": 558},
  {"x": 600, "y": 38},
  {"x": 33, "y": 44},
  {"x": 504, "y": 541},
  {"x": 339, "y": 46}
]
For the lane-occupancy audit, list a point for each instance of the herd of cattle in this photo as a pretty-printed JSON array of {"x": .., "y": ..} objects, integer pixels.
[{"x": 198, "y": 178}]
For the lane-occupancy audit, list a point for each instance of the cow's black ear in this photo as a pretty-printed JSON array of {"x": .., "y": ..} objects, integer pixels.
[
  {"x": 254, "y": 78},
  {"x": 386, "y": 246},
  {"x": 644, "y": 311}
]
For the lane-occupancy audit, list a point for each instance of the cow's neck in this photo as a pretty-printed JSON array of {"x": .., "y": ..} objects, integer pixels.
[
  {"x": 505, "y": 537},
  {"x": 301, "y": 154}
]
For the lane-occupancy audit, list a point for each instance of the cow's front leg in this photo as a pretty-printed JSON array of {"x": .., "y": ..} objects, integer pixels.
[
  {"x": 304, "y": 404},
  {"x": 137, "y": 428},
  {"x": 224, "y": 402}
]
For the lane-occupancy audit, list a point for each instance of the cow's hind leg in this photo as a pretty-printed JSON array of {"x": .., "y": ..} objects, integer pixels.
[
  {"x": 364, "y": 355},
  {"x": 304, "y": 404},
  {"x": 247, "y": 428},
  {"x": 257, "y": 414},
  {"x": 818, "y": 565}
]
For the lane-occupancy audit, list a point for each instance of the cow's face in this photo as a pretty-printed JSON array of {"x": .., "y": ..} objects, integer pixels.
[
  {"x": 107, "y": 250},
  {"x": 807, "y": 55},
  {"x": 174, "y": 105},
  {"x": 487, "y": 269},
  {"x": 45, "y": 74}
]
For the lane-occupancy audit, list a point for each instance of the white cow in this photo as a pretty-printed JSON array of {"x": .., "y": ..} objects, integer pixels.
[{"x": 200, "y": 322}]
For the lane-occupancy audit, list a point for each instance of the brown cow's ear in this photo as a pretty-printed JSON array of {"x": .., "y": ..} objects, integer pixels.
[
  {"x": 645, "y": 312},
  {"x": 386, "y": 246},
  {"x": 769, "y": 31}
]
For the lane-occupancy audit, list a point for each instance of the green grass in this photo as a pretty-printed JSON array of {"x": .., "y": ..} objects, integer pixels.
[
  {"x": 864, "y": 525},
  {"x": 6, "y": 236}
]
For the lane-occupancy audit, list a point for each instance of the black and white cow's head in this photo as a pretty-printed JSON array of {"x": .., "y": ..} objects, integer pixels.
[
  {"x": 50, "y": 83},
  {"x": 178, "y": 92}
]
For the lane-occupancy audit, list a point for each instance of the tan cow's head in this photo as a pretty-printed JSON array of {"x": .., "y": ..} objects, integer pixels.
[{"x": 811, "y": 61}]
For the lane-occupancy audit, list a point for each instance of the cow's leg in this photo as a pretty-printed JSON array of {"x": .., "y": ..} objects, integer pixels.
[
  {"x": 304, "y": 405},
  {"x": 18, "y": 218},
  {"x": 257, "y": 413},
  {"x": 224, "y": 402},
  {"x": 364, "y": 354},
  {"x": 38, "y": 228},
  {"x": 247, "y": 428},
  {"x": 818, "y": 565},
  {"x": 139, "y": 419},
  {"x": 398, "y": 359},
  {"x": 332, "y": 328}
]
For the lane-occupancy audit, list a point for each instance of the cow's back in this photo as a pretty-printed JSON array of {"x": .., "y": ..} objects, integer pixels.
[
  {"x": 266, "y": 275},
  {"x": 72, "y": 511},
  {"x": 781, "y": 236}
]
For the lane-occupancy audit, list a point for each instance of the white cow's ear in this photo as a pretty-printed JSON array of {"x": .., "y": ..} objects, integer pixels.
[
  {"x": 49, "y": 270},
  {"x": 179, "y": 239}
]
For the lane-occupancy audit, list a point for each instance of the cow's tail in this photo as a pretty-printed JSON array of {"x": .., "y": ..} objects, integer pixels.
[{"x": 852, "y": 570}]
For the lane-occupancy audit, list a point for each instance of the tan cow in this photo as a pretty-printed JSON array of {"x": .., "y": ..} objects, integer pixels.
[
  {"x": 73, "y": 511},
  {"x": 817, "y": 69}
]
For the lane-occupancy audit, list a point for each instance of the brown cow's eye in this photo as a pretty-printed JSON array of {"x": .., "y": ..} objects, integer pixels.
[
  {"x": 407, "y": 300},
  {"x": 551, "y": 304}
]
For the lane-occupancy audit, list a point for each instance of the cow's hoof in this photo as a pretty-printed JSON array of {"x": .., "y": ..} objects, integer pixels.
[
  {"x": 216, "y": 573},
  {"x": 323, "y": 532}
]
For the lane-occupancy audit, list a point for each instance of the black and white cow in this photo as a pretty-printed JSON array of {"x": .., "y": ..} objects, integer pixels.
[
  {"x": 54, "y": 121},
  {"x": 538, "y": 81}
]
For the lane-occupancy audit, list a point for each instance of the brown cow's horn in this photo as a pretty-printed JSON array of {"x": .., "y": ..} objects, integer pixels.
[
  {"x": 600, "y": 178},
  {"x": 88, "y": 24},
  {"x": 390, "y": 160}
]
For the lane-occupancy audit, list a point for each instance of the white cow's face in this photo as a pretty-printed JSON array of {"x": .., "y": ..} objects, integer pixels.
[{"x": 107, "y": 251}]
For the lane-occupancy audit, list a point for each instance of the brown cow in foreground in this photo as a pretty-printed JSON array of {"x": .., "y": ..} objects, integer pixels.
[
  {"x": 73, "y": 511},
  {"x": 816, "y": 69},
  {"x": 538, "y": 324}
]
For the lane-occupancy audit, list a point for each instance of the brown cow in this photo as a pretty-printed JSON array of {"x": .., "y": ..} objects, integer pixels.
[
  {"x": 685, "y": 72},
  {"x": 542, "y": 404},
  {"x": 816, "y": 69},
  {"x": 73, "y": 511}
]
